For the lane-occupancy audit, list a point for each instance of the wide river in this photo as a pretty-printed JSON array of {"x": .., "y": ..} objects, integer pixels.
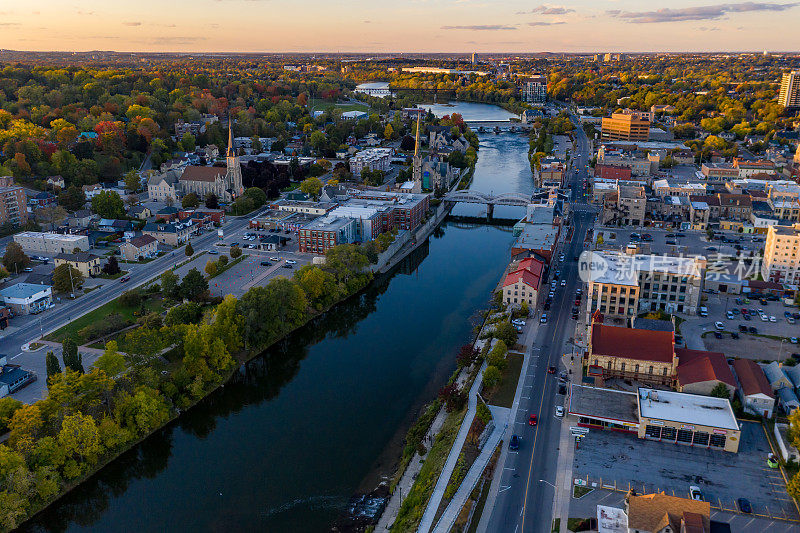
[{"x": 316, "y": 418}]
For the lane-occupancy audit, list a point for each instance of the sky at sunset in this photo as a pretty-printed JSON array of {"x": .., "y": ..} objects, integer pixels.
[{"x": 397, "y": 26}]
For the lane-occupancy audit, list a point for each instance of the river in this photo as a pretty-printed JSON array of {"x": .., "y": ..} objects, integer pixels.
[{"x": 314, "y": 419}]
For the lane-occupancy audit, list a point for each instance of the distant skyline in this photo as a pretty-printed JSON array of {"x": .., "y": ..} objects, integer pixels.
[{"x": 410, "y": 26}]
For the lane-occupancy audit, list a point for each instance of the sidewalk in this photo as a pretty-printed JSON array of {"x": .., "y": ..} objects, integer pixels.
[{"x": 426, "y": 523}]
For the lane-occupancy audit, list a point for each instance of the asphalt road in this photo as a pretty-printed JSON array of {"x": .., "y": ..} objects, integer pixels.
[
  {"x": 65, "y": 312},
  {"x": 525, "y": 499}
]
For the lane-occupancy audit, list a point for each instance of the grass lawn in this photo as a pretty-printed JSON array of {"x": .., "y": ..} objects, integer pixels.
[
  {"x": 414, "y": 504},
  {"x": 97, "y": 315},
  {"x": 578, "y": 491},
  {"x": 113, "y": 276},
  {"x": 578, "y": 524},
  {"x": 503, "y": 394},
  {"x": 322, "y": 105},
  {"x": 229, "y": 265}
]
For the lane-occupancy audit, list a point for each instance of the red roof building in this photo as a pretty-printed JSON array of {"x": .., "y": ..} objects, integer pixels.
[
  {"x": 612, "y": 172},
  {"x": 641, "y": 355},
  {"x": 700, "y": 371},
  {"x": 754, "y": 390},
  {"x": 522, "y": 284}
]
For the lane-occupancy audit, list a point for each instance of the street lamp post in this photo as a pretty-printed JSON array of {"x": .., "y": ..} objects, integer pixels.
[{"x": 547, "y": 482}]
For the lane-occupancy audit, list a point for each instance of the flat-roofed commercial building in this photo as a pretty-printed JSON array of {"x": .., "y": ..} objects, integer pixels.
[
  {"x": 781, "y": 258},
  {"x": 51, "y": 243},
  {"x": 597, "y": 407},
  {"x": 324, "y": 233},
  {"x": 622, "y": 127},
  {"x": 688, "y": 419},
  {"x": 630, "y": 283}
]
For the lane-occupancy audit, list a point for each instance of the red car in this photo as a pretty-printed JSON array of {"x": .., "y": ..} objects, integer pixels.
[
  {"x": 532, "y": 420},
  {"x": 551, "y": 370},
  {"x": 123, "y": 279}
]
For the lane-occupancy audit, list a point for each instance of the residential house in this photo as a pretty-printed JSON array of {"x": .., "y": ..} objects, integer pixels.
[
  {"x": 661, "y": 513},
  {"x": 137, "y": 248},
  {"x": 787, "y": 399},
  {"x": 42, "y": 199},
  {"x": 90, "y": 191},
  {"x": 699, "y": 372},
  {"x": 776, "y": 377},
  {"x": 164, "y": 186},
  {"x": 81, "y": 219},
  {"x": 140, "y": 211},
  {"x": 754, "y": 390},
  {"x": 57, "y": 182},
  {"x": 167, "y": 233},
  {"x": 86, "y": 263},
  {"x": 167, "y": 214}
]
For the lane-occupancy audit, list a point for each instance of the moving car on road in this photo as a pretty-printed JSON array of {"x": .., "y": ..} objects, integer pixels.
[{"x": 533, "y": 420}]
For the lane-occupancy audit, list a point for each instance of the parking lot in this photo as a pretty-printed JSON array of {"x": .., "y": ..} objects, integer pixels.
[
  {"x": 688, "y": 242},
  {"x": 586, "y": 506},
  {"x": 624, "y": 461}
]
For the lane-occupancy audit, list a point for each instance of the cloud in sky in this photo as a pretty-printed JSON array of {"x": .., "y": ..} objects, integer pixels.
[
  {"x": 539, "y": 23},
  {"x": 548, "y": 10},
  {"x": 131, "y": 23},
  {"x": 481, "y": 27},
  {"x": 712, "y": 12},
  {"x": 8, "y": 24}
]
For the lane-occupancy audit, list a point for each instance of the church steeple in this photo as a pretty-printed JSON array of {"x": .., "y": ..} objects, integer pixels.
[{"x": 230, "y": 137}]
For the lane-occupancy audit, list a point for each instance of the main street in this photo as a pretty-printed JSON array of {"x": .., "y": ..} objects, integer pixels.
[{"x": 525, "y": 497}]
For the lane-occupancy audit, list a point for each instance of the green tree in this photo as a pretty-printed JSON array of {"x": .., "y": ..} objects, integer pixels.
[
  {"x": 72, "y": 358},
  {"x": 235, "y": 252},
  {"x": 187, "y": 142},
  {"x": 188, "y": 313},
  {"x": 169, "y": 284},
  {"x": 132, "y": 181},
  {"x": 190, "y": 201},
  {"x": 142, "y": 411},
  {"x": 311, "y": 186},
  {"x": 108, "y": 204},
  {"x": 388, "y": 132},
  {"x": 142, "y": 345},
  {"x": 491, "y": 377},
  {"x": 67, "y": 278},
  {"x": 15, "y": 259},
  {"x": 319, "y": 286},
  {"x": 497, "y": 356},
  {"x": 53, "y": 368},
  {"x": 505, "y": 332},
  {"x": 257, "y": 195},
  {"x": 72, "y": 198},
  {"x": 793, "y": 487},
  {"x": 80, "y": 438},
  {"x": 720, "y": 390},
  {"x": 8, "y": 406},
  {"x": 212, "y": 202},
  {"x": 189, "y": 250},
  {"x": 226, "y": 324},
  {"x": 194, "y": 286},
  {"x": 211, "y": 268},
  {"x": 111, "y": 362}
]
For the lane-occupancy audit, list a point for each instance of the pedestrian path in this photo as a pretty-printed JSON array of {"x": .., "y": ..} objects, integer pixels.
[
  {"x": 452, "y": 511},
  {"x": 426, "y": 523},
  {"x": 409, "y": 476}
]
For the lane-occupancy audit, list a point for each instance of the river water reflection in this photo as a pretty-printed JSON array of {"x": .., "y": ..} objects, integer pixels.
[{"x": 287, "y": 442}]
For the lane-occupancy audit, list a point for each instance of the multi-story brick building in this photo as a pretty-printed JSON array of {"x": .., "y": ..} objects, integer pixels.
[
  {"x": 13, "y": 206},
  {"x": 631, "y": 283}
]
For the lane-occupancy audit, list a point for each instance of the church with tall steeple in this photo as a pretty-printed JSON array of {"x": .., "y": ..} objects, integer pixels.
[{"x": 225, "y": 183}]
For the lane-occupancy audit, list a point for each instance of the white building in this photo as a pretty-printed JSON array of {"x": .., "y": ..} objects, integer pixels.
[
  {"x": 27, "y": 298},
  {"x": 372, "y": 159},
  {"x": 51, "y": 243},
  {"x": 781, "y": 259}
]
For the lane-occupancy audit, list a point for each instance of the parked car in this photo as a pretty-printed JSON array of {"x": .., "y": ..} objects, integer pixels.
[
  {"x": 719, "y": 325},
  {"x": 744, "y": 505},
  {"x": 793, "y": 340},
  {"x": 717, "y": 334},
  {"x": 563, "y": 282},
  {"x": 753, "y": 330},
  {"x": 562, "y": 388},
  {"x": 772, "y": 461},
  {"x": 734, "y": 335},
  {"x": 513, "y": 443},
  {"x": 695, "y": 493},
  {"x": 560, "y": 411},
  {"x": 543, "y": 319},
  {"x": 742, "y": 328},
  {"x": 213, "y": 252}
]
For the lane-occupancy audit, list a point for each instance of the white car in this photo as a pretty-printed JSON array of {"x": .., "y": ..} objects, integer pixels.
[
  {"x": 793, "y": 340},
  {"x": 274, "y": 258},
  {"x": 772, "y": 319},
  {"x": 560, "y": 411},
  {"x": 518, "y": 322},
  {"x": 764, "y": 318},
  {"x": 695, "y": 493},
  {"x": 563, "y": 282},
  {"x": 719, "y": 325},
  {"x": 291, "y": 262}
]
